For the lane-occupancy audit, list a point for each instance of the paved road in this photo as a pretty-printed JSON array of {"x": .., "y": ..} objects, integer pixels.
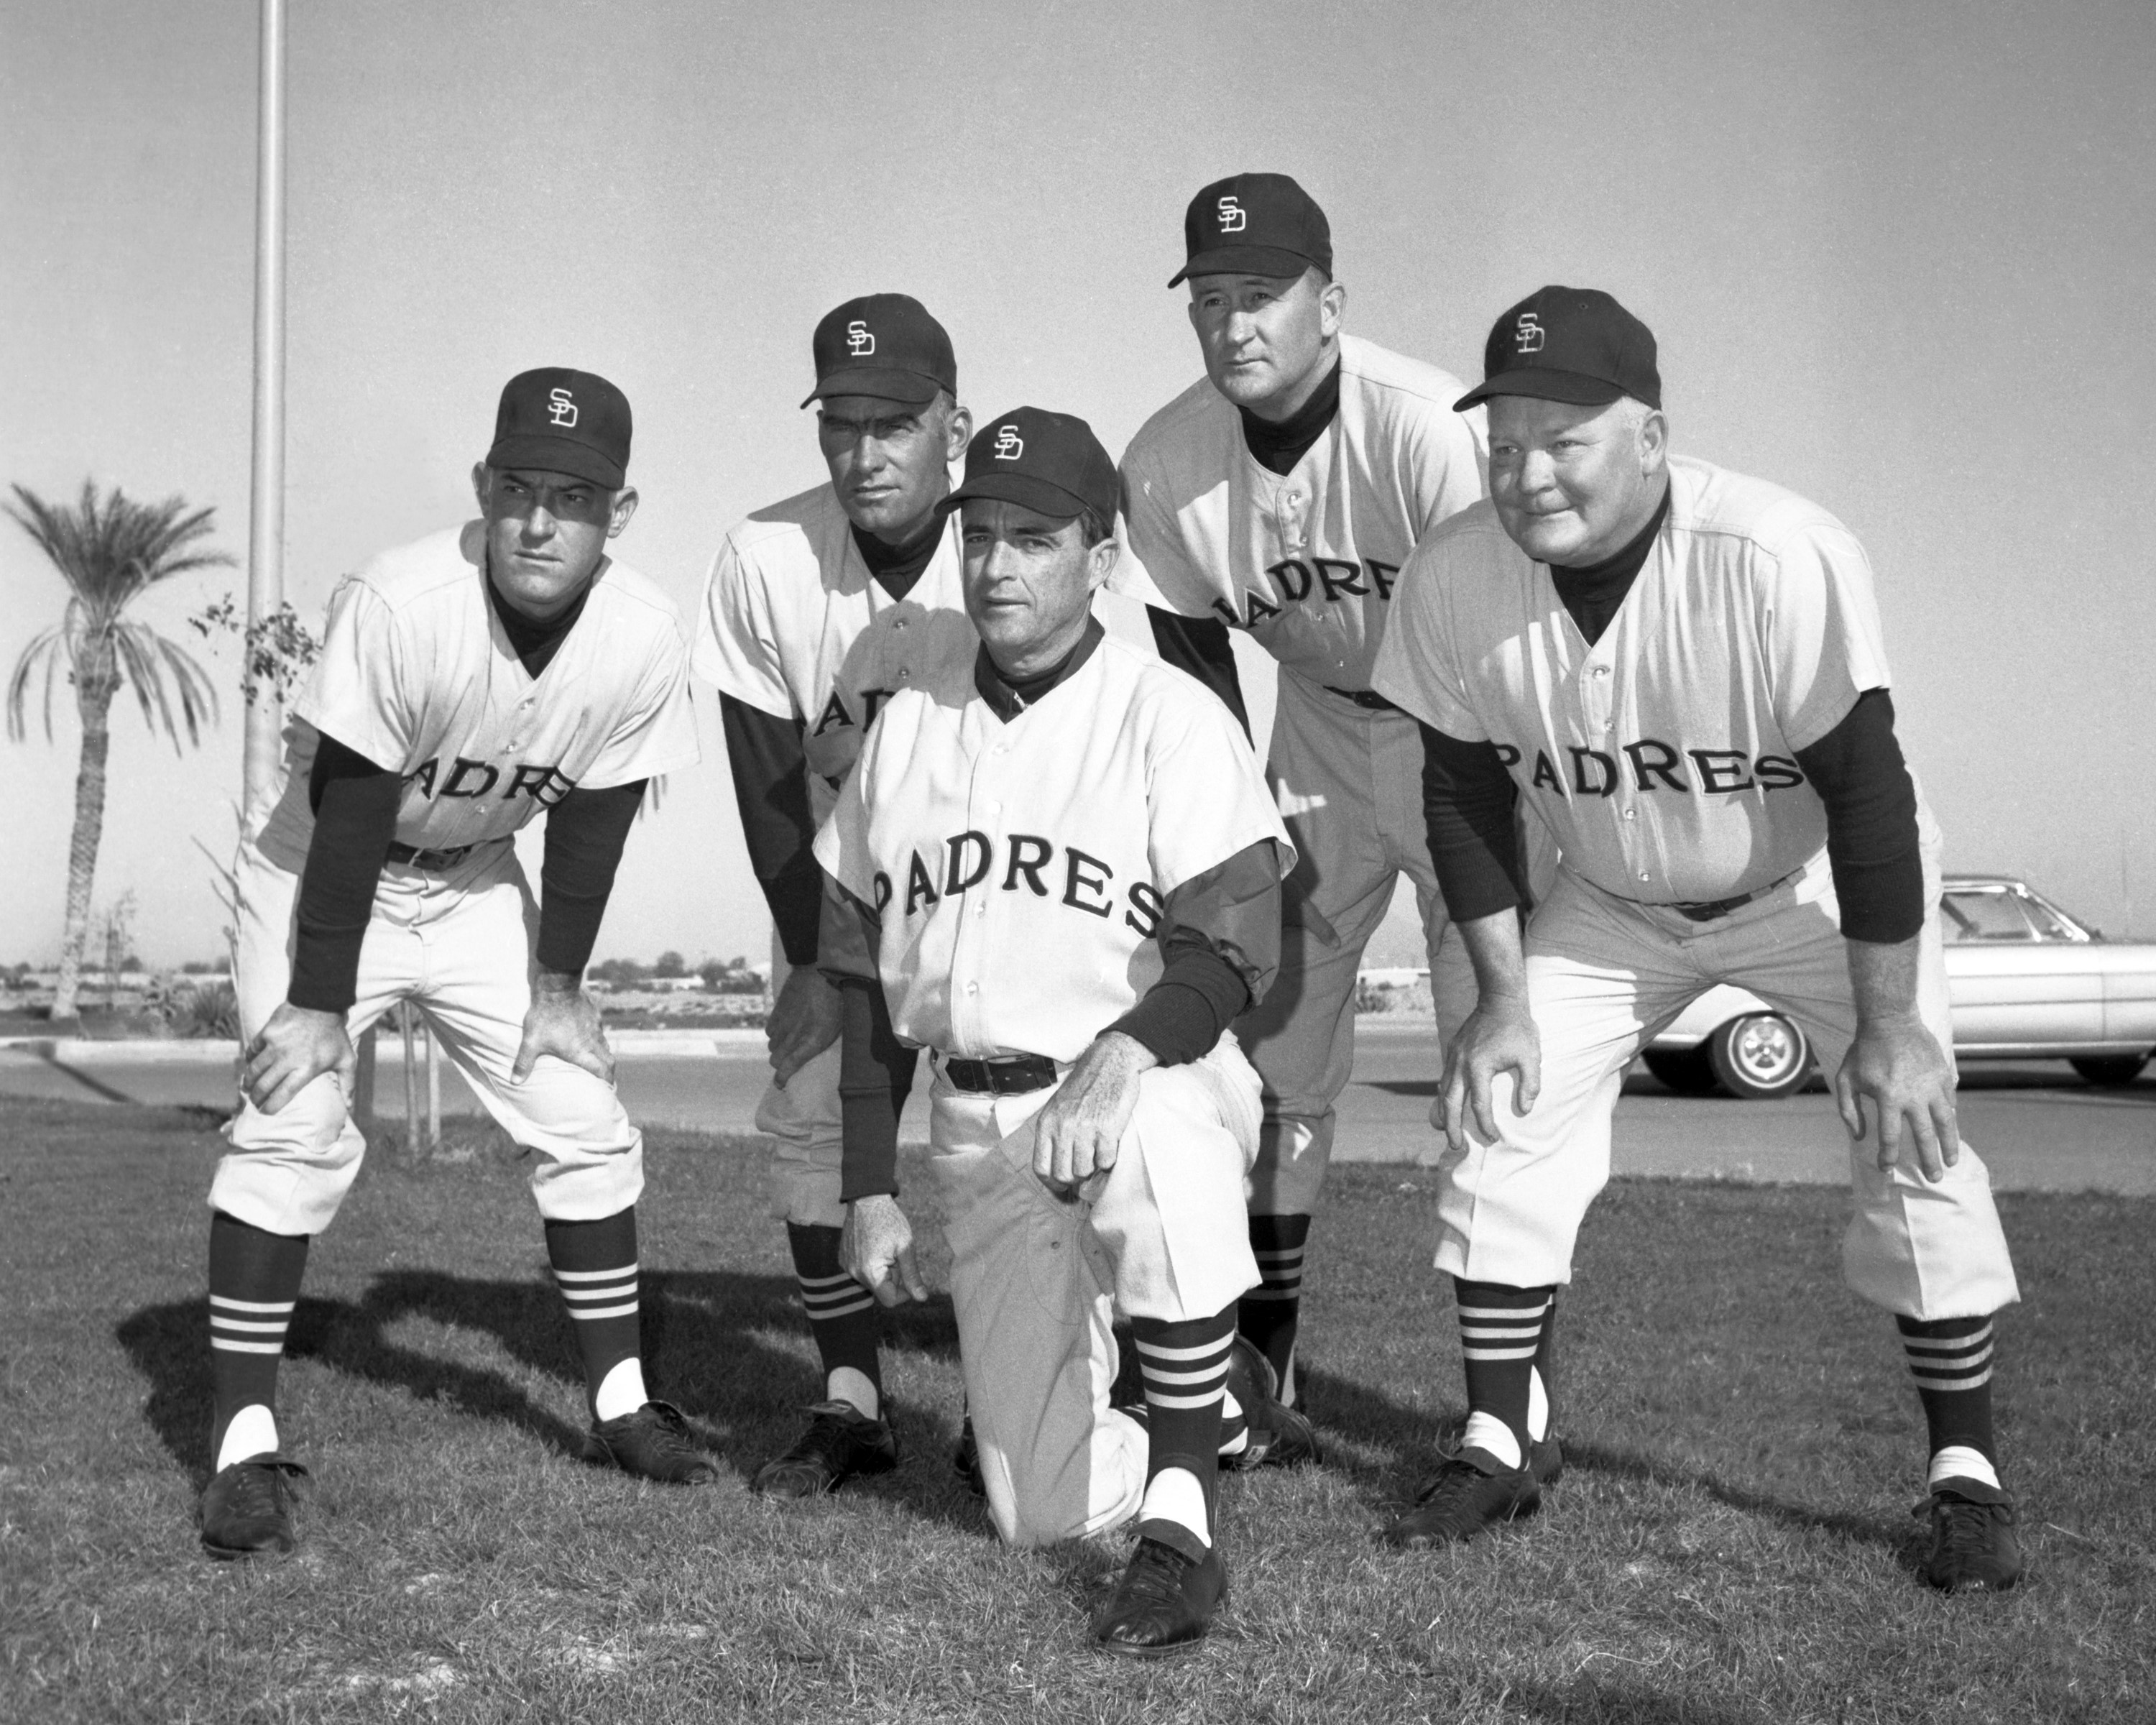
[{"x": 2038, "y": 1127}]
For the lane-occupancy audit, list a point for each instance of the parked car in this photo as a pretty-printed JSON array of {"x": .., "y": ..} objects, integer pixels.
[{"x": 2026, "y": 981}]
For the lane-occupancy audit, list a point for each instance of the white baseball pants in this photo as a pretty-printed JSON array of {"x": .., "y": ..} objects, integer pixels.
[
  {"x": 458, "y": 944},
  {"x": 804, "y": 1124},
  {"x": 1603, "y": 976},
  {"x": 1037, "y": 1281},
  {"x": 1348, "y": 783}
]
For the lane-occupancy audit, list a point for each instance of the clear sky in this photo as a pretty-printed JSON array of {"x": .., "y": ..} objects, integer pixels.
[{"x": 1897, "y": 256}]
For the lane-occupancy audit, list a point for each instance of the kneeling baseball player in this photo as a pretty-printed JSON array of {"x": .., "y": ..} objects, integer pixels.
[
  {"x": 1680, "y": 672},
  {"x": 1061, "y": 875},
  {"x": 467, "y": 682}
]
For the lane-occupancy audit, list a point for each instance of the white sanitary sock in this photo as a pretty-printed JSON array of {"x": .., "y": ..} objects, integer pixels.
[
  {"x": 1174, "y": 1495},
  {"x": 621, "y": 1391},
  {"x": 1537, "y": 1405},
  {"x": 1486, "y": 1431},
  {"x": 1959, "y": 1461},
  {"x": 851, "y": 1385},
  {"x": 252, "y": 1432}
]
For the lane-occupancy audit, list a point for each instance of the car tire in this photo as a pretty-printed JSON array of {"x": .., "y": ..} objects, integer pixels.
[
  {"x": 1688, "y": 1071},
  {"x": 1760, "y": 1056},
  {"x": 2109, "y": 1071}
]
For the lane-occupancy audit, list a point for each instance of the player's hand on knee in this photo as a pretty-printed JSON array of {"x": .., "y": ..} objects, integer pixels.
[
  {"x": 876, "y": 1246},
  {"x": 806, "y": 1019},
  {"x": 562, "y": 1022},
  {"x": 1081, "y": 1131},
  {"x": 1499, "y": 1036},
  {"x": 294, "y": 1048},
  {"x": 1896, "y": 1064}
]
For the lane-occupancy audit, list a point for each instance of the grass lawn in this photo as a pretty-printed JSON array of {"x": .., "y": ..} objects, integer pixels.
[{"x": 1732, "y": 1541}]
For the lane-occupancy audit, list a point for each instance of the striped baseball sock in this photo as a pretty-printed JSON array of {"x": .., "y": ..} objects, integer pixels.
[
  {"x": 1186, "y": 1376},
  {"x": 1269, "y": 1314},
  {"x": 595, "y": 1267},
  {"x": 1500, "y": 1337},
  {"x": 1950, "y": 1358},
  {"x": 842, "y": 1316},
  {"x": 253, "y": 1285}
]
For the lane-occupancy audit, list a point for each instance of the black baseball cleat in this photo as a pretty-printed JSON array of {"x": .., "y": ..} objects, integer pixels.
[
  {"x": 966, "y": 1460},
  {"x": 1164, "y": 1603},
  {"x": 1546, "y": 1456},
  {"x": 840, "y": 1442},
  {"x": 1281, "y": 1436},
  {"x": 1251, "y": 1380},
  {"x": 1973, "y": 1548},
  {"x": 653, "y": 1443},
  {"x": 247, "y": 1508},
  {"x": 1472, "y": 1492}
]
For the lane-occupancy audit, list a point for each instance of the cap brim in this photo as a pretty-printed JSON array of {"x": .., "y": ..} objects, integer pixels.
[
  {"x": 912, "y": 388},
  {"x": 1042, "y": 496},
  {"x": 557, "y": 455},
  {"x": 1243, "y": 261},
  {"x": 1572, "y": 387}
]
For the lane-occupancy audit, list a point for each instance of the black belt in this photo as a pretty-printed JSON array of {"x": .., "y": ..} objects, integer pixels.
[
  {"x": 438, "y": 862},
  {"x": 1369, "y": 698},
  {"x": 1710, "y": 910},
  {"x": 1010, "y": 1077}
]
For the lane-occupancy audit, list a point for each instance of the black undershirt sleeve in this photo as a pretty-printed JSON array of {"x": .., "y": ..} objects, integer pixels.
[
  {"x": 1201, "y": 646},
  {"x": 355, "y": 803},
  {"x": 1468, "y": 805},
  {"x": 876, "y": 1069},
  {"x": 585, "y": 833},
  {"x": 1871, "y": 843},
  {"x": 771, "y": 789},
  {"x": 1219, "y": 936}
]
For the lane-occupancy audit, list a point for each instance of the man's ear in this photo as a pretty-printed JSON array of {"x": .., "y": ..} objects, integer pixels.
[
  {"x": 1331, "y": 308},
  {"x": 957, "y": 434},
  {"x": 1654, "y": 441},
  {"x": 479, "y": 487},
  {"x": 1101, "y": 561},
  {"x": 624, "y": 506}
]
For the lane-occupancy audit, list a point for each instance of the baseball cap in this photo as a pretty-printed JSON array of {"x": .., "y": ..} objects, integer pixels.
[
  {"x": 1568, "y": 344},
  {"x": 885, "y": 345},
  {"x": 1049, "y": 462},
  {"x": 563, "y": 421},
  {"x": 1254, "y": 224}
]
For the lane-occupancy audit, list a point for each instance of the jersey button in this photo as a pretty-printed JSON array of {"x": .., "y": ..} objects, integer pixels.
[
  {"x": 975, "y": 987},
  {"x": 1643, "y": 874},
  {"x": 1631, "y": 814}
]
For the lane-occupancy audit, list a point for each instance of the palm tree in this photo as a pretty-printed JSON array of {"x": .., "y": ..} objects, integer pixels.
[{"x": 109, "y": 551}]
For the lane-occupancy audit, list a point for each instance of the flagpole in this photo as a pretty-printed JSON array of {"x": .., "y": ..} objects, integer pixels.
[{"x": 265, "y": 547}]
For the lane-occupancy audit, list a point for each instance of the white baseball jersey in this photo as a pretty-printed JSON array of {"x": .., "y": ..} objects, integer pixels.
[
  {"x": 1305, "y": 561},
  {"x": 1022, "y": 869},
  {"x": 793, "y": 624},
  {"x": 1663, "y": 757},
  {"x": 416, "y": 673}
]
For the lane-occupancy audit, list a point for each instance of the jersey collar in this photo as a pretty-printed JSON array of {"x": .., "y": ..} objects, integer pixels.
[{"x": 1007, "y": 700}]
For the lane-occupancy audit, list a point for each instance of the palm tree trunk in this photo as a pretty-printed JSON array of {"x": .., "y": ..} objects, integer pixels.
[{"x": 95, "y": 687}]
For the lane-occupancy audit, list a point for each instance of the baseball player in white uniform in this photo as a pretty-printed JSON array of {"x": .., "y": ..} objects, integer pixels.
[
  {"x": 1061, "y": 871},
  {"x": 818, "y": 611},
  {"x": 468, "y": 682},
  {"x": 1282, "y": 493},
  {"x": 1678, "y": 672}
]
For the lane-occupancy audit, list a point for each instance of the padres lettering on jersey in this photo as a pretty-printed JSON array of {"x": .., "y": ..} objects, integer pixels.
[
  {"x": 793, "y": 624},
  {"x": 416, "y": 673},
  {"x": 1022, "y": 869},
  {"x": 1663, "y": 757},
  {"x": 1305, "y": 561}
]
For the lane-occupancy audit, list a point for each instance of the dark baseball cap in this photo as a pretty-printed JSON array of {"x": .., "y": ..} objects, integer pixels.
[
  {"x": 1254, "y": 224},
  {"x": 1049, "y": 462},
  {"x": 561, "y": 421},
  {"x": 885, "y": 345},
  {"x": 1568, "y": 344}
]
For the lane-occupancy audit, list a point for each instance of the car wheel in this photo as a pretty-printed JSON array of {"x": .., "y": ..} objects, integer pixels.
[
  {"x": 1760, "y": 1056},
  {"x": 1688, "y": 1071},
  {"x": 2110, "y": 1070}
]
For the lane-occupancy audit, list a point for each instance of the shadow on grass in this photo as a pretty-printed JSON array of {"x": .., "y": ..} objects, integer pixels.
[
  {"x": 1626, "y": 1700},
  {"x": 708, "y": 1345}
]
